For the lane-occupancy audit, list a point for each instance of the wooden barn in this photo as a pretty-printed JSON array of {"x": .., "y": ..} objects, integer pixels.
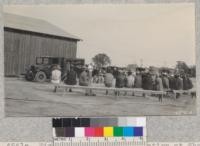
[{"x": 26, "y": 38}]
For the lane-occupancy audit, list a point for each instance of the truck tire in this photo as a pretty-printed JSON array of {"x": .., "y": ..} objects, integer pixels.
[{"x": 40, "y": 76}]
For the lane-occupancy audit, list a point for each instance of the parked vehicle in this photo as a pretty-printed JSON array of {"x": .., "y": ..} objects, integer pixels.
[{"x": 41, "y": 71}]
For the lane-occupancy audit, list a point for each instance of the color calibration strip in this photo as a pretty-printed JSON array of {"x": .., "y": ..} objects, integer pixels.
[
  {"x": 99, "y": 127},
  {"x": 99, "y": 132}
]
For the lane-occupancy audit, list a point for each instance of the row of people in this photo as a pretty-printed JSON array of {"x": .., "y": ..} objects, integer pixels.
[
  {"x": 148, "y": 81},
  {"x": 120, "y": 79}
]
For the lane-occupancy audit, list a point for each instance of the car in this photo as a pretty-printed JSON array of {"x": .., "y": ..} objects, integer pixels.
[{"x": 41, "y": 70}]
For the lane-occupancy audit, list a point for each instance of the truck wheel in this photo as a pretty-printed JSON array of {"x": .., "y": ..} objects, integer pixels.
[{"x": 40, "y": 76}]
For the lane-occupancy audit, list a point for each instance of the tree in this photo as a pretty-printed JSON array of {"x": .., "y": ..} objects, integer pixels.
[
  {"x": 192, "y": 71},
  {"x": 101, "y": 60},
  {"x": 182, "y": 67}
]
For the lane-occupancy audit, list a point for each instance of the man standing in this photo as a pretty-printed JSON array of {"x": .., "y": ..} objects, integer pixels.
[
  {"x": 130, "y": 80},
  {"x": 108, "y": 80},
  {"x": 159, "y": 86},
  {"x": 120, "y": 81},
  {"x": 71, "y": 78},
  {"x": 138, "y": 80},
  {"x": 84, "y": 81},
  {"x": 178, "y": 84},
  {"x": 165, "y": 81},
  {"x": 56, "y": 75},
  {"x": 172, "y": 82},
  {"x": 90, "y": 70},
  {"x": 187, "y": 83}
]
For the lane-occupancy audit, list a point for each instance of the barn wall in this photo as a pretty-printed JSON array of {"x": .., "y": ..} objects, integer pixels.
[{"x": 21, "y": 49}]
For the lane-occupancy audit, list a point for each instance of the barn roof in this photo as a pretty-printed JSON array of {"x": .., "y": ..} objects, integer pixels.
[{"x": 35, "y": 25}]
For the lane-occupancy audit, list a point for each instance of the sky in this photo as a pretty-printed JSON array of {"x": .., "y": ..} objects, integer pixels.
[{"x": 145, "y": 34}]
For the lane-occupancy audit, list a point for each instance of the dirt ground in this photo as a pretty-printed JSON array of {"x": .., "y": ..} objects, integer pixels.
[{"x": 23, "y": 98}]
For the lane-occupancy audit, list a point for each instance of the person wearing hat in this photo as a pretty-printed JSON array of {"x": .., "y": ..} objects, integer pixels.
[{"x": 56, "y": 75}]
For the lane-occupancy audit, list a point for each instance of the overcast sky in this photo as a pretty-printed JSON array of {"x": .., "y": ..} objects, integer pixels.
[{"x": 155, "y": 34}]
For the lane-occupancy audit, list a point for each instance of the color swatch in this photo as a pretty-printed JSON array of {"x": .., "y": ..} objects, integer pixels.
[
  {"x": 99, "y": 127},
  {"x": 118, "y": 131},
  {"x": 108, "y": 131}
]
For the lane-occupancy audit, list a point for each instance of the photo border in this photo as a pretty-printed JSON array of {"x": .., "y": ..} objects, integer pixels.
[{"x": 160, "y": 128}]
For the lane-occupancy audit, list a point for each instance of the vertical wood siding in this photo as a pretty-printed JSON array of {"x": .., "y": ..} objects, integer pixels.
[{"x": 21, "y": 49}]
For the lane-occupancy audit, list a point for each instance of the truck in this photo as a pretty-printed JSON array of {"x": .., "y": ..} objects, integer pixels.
[{"x": 41, "y": 70}]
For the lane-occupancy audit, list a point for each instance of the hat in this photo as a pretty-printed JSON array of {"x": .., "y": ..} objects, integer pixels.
[
  {"x": 56, "y": 67},
  {"x": 164, "y": 73}
]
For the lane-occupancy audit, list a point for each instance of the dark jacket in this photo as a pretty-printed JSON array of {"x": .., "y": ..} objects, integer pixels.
[
  {"x": 178, "y": 83},
  {"x": 147, "y": 81},
  {"x": 71, "y": 78},
  {"x": 172, "y": 81},
  {"x": 138, "y": 81},
  {"x": 115, "y": 73},
  {"x": 165, "y": 81},
  {"x": 120, "y": 80},
  {"x": 187, "y": 83}
]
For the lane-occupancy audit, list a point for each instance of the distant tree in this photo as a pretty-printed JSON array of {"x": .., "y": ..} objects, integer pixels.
[
  {"x": 182, "y": 67},
  {"x": 101, "y": 60},
  {"x": 192, "y": 71}
]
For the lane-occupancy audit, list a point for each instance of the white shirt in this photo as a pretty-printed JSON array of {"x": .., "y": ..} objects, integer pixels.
[
  {"x": 56, "y": 76},
  {"x": 130, "y": 81},
  {"x": 90, "y": 68}
]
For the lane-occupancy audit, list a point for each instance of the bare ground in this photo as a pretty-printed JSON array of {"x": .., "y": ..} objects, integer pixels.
[{"x": 25, "y": 98}]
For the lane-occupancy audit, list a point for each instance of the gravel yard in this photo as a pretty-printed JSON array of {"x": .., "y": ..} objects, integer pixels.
[{"x": 23, "y": 98}]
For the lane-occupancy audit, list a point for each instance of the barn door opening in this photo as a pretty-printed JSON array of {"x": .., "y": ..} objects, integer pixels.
[
  {"x": 55, "y": 61},
  {"x": 11, "y": 57}
]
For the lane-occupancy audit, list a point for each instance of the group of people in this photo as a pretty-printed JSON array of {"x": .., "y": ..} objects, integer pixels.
[
  {"x": 72, "y": 78},
  {"x": 147, "y": 80},
  {"x": 125, "y": 79}
]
